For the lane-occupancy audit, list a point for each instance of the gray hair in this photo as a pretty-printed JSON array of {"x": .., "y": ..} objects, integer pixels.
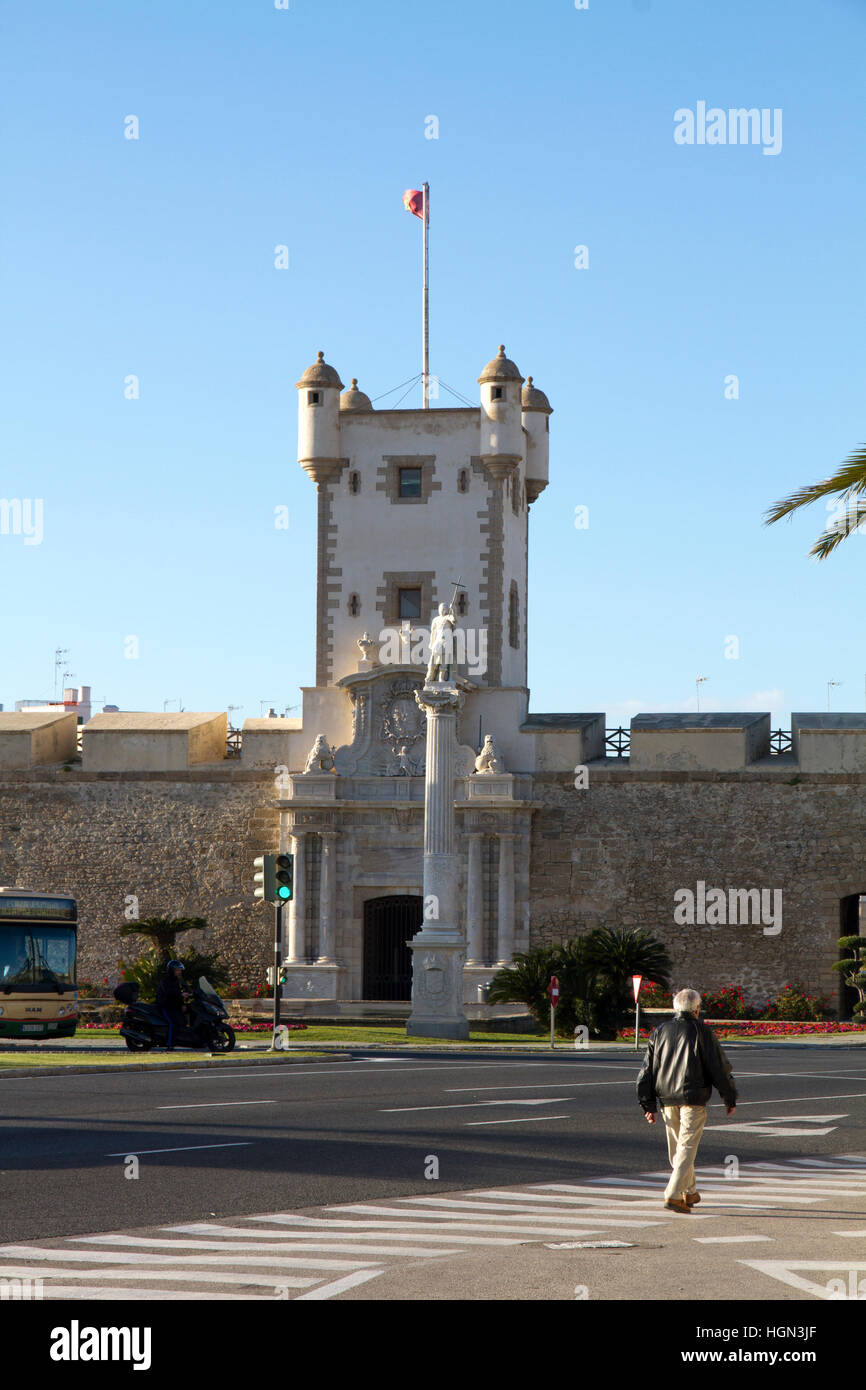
[{"x": 687, "y": 1001}]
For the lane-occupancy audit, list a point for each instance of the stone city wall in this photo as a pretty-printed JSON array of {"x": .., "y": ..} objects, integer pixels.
[
  {"x": 618, "y": 850},
  {"x": 615, "y": 852}
]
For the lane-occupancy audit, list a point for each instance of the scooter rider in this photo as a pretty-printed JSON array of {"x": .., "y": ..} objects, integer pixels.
[{"x": 170, "y": 999}]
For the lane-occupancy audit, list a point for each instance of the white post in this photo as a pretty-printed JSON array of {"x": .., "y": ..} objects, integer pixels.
[
  {"x": 326, "y": 898},
  {"x": 636, "y": 1024},
  {"x": 439, "y": 948},
  {"x": 474, "y": 900}
]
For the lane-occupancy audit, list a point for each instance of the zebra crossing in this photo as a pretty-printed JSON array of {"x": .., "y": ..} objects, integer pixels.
[{"x": 320, "y": 1255}]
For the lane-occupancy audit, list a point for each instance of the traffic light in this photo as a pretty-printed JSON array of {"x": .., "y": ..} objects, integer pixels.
[
  {"x": 271, "y": 977},
  {"x": 263, "y": 878},
  {"x": 284, "y": 874},
  {"x": 284, "y": 974}
]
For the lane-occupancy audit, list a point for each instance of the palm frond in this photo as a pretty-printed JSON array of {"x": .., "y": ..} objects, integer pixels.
[{"x": 849, "y": 479}]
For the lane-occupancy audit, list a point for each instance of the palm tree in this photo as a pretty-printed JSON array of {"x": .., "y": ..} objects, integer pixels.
[
  {"x": 162, "y": 931},
  {"x": 848, "y": 484},
  {"x": 617, "y": 953}
]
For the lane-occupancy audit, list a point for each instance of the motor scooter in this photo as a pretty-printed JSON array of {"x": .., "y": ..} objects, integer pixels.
[{"x": 145, "y": 1025}]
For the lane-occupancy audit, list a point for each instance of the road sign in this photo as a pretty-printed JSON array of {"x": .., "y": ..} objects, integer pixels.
[
  {"x": 636, "y": 984},
  {"x": 553, "y": 991}
]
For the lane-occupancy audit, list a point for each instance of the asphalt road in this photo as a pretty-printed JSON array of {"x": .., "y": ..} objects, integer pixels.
[{"x": 236, "y": 1141}]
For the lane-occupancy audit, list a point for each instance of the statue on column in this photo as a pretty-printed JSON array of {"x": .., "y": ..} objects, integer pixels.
[{"x": 442, "y": 642}]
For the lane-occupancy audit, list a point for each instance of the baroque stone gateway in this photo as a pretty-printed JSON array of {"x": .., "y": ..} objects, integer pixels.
[{"x": 417, "y": 509}]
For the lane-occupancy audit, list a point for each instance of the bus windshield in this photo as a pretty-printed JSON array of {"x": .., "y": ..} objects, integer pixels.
[{"x": 32, "y": 956}]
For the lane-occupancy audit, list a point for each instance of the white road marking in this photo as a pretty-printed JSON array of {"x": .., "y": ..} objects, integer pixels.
[
  {"x": 186, "y": 1148},
  {"x": 187, "y": 1276},
  {"x": 476, "y": 1105},
  {"x": 524, "y": 1120},
  {"x": 850, "y": 1233},
  {"x": 738, "y": 1193},
  {"x": 370, "y": 1231},
  {"x": 32, "y": 1252},
  {"x": 340, "y": 1285},
  {"x": 783, "y": 1270},
  {"x": 535, "y": 1086},
  {"x": 728, "y": 1240},
  {"x": 787, "y": 1125},
  {"x": 216, "y": 1104},
  {"x": 284, "y": 1246}
]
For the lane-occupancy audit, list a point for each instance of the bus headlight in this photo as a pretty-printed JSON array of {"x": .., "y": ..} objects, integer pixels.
[{"x": 1, "y": 1013}]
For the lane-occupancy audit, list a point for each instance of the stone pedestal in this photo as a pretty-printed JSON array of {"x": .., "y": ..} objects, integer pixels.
[{"x": 439, "y": 949}]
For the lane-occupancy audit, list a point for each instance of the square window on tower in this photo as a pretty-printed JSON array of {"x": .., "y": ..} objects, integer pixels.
[
  {"x": 410, "y": 482},
  {"x": 409, "y": 603}
]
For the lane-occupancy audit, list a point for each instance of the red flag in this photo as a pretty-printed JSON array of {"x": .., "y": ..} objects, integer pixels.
[{"x": 413, "y": 201}]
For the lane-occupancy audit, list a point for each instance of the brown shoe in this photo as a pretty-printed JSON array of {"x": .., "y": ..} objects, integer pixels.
[
  {"x": 693, "y": 1198},
  {"x": 674, "y": 1204}
]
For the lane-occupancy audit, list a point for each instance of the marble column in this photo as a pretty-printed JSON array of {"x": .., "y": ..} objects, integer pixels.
[
  {"x": 439, "y": 949},
  {"x": 474, "y": 901},
  {"x": 327, "y": 927},
  {"x": 297, "y": 938},
  {"x": 505, "y": 903}
]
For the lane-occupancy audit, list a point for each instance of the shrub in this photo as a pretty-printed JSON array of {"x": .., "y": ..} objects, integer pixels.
[
  {"x": 793, "y": 1004},
  {"x": 147, "y": 971},
  {"x": 594, "y": 973},
  {"x": 727, "y": 1002},
  {"x": 655, "y": 996}
]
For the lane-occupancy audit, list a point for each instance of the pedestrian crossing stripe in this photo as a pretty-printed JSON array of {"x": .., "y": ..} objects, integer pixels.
[{"x": 337, "y": 1249}]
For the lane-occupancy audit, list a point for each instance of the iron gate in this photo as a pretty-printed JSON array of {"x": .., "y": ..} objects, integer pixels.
[{"x": 388, "y": 925}]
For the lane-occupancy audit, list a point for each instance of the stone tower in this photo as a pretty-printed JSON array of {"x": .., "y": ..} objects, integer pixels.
[{"x": 410, "y": 499}]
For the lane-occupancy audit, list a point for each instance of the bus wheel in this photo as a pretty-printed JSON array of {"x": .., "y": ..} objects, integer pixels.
[{"x": 135, "y": 1046}]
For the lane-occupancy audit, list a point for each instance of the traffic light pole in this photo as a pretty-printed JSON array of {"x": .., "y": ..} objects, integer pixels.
[{"x": 278, "y": 952}]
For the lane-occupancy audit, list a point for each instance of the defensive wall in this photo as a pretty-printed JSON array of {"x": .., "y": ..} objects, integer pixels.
[{"x": 701, "y": 804}]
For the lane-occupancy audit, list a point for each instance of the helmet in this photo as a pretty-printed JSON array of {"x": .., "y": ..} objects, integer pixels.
[{"x": 174, "y": 964}]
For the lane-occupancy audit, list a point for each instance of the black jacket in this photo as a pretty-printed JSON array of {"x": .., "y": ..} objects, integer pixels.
[
  {"x": 169, "y": 993},
  {"x": 682, "y": 1064}
]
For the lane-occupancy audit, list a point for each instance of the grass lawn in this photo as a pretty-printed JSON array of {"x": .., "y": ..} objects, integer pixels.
[
  {"x": 125, "y": 1059},
  {"x": 334, "y": 1033}
]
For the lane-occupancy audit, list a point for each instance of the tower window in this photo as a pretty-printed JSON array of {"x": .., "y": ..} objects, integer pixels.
[
  {"x": 314, "y": 398},
  {"x": 513, "y": 616},
  {"x": 354, "y": 606},
  {"x": 515, "y": 493},
  {"x": 463, "y": 481},
  {"x": 409, "y": 603},
  {"x": 496, "y": 393},
  {"x": 461, "y": 605},
  {"x": 410, "y": 482},
  {"x": 355, "y": 483}
]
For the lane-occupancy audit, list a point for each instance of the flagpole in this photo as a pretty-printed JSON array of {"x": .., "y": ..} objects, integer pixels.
[{"x": 426, "y": 304}]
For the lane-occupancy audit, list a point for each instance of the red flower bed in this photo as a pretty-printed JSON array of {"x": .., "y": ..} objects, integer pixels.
[{"x": 764, "y": 1029}]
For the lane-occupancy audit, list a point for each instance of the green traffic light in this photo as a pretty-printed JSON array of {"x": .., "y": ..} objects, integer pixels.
[{"x": 283, "y": 891}]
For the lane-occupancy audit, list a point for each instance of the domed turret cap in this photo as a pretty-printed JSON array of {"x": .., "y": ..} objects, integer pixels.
[
  {"x": 353, "y": 399},
  {"x": 320, "y": 374},
  {"x": 533, "y": 399},
  {"x": 500, "y": 369}
]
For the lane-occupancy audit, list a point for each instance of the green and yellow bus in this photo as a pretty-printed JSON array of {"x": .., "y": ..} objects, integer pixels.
[{"x": 38, "y": 991}]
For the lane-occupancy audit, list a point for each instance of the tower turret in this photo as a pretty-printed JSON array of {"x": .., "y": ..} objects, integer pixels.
[
  {"x": 537, "y": 411},
  {"x": 319, "y": 420},
  {"x": 501, "y": 424}
]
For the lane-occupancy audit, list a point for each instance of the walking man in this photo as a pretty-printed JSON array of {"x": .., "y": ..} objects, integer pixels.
[{"x": 682, "y": 1064}]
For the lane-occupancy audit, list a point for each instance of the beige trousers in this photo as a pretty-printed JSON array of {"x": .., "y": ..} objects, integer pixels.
[{"x": 684, "y": 1125}]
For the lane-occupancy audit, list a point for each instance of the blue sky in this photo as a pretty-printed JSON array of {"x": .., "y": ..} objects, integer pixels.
[{"x": 302, "y": 127}]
